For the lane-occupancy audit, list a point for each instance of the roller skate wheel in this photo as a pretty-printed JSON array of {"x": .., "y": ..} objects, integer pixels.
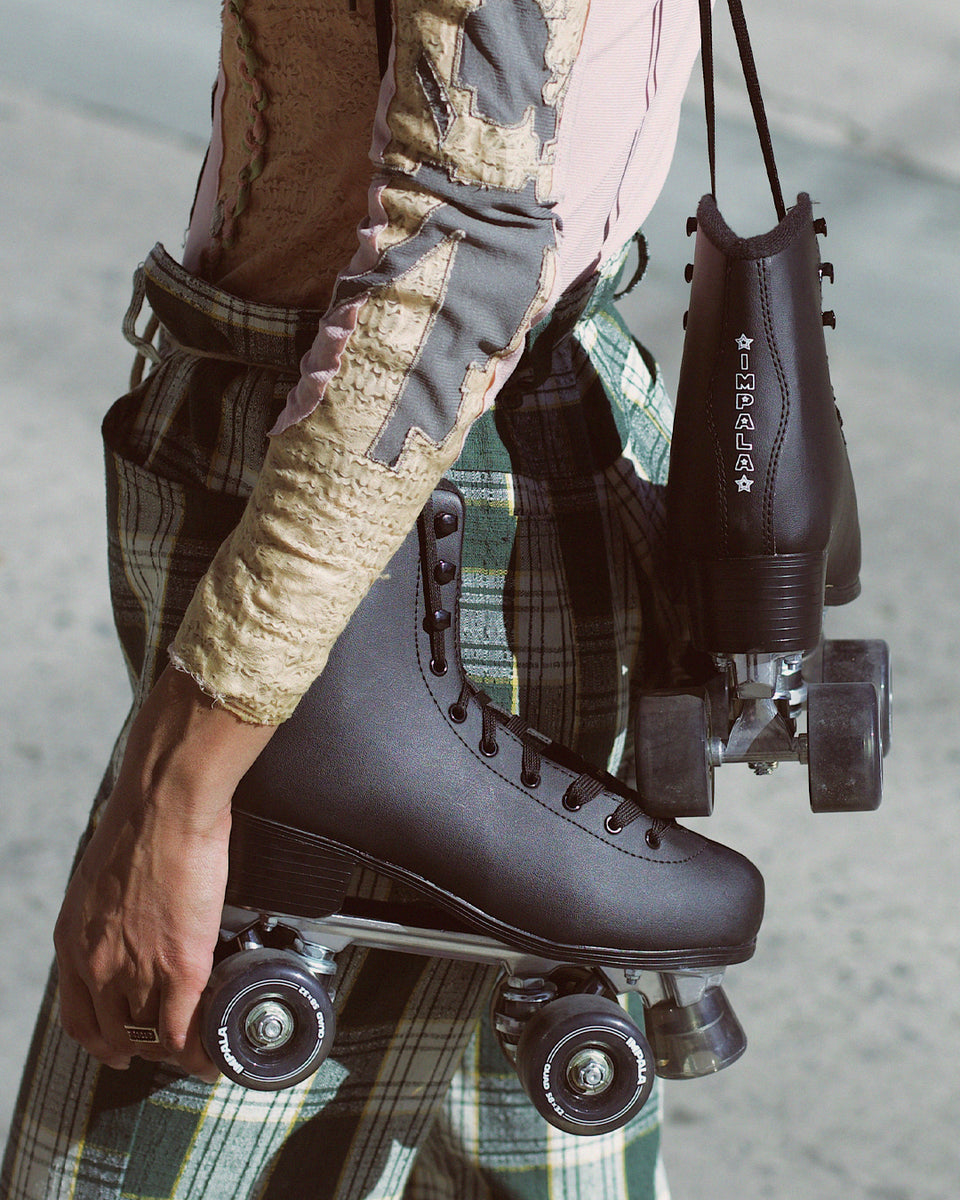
[
  {"x": 673, "y": 740},
  {"x": 862, "y": 660},
  {"x": 844, "y": 759},
  {"x": 584, "y": 1064},
  {"x": 266, "y": 1021}
]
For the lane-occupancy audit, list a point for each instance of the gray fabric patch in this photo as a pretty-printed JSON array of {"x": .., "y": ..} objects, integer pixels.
[
  {"x": 503, "y": 61},
  {"x": 501, "y": 234},
  {"x": 492, "y": 281}
]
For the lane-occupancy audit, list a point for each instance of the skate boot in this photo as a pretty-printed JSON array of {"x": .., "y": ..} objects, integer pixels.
[
  {"x": 763, "y": 528},
  {"x": 527, "y": 857}
]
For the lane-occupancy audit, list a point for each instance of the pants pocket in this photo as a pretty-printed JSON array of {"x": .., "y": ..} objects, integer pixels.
[{"x": 177, "y": 483}]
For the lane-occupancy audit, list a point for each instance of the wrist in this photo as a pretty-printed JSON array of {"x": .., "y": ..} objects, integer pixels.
[{"x": 185, "y": 754}]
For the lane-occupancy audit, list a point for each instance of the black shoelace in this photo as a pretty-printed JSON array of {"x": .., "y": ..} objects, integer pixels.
[{"x": 587, "y": 785}]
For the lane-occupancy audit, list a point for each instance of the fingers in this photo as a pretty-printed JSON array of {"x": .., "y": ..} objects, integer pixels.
[
  {"x": 180, "y": 1024},
  {"x": 98, "y": 1018},
  {"x": 183, "y": 1013},
  {"x": 79, "y": 1019}
]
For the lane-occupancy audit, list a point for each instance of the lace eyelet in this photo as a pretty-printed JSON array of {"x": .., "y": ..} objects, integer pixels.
[
  {"x": 457, "y": 713},
  {"x": 489, "y": 749},
  {"x": 444, "y": 572},
  {"x": 612, "y": 825},
  {"x": 652, "y": 839},
  {"x": 438, "y": 666},
  {"x": 571, "y": 805},
  {"x": 529, "y": 781}
]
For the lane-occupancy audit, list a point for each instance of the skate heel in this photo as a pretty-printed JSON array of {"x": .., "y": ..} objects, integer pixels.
[
  {"x": 763, "y": 604},
  {"x": 275, "y": 869}
]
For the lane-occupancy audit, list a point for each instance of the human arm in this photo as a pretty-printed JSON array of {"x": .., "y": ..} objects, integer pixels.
[
  {"x": 140, "y": 919},
  {"x": 467, "y": 244},
  {"x": 518, "y": 145}
]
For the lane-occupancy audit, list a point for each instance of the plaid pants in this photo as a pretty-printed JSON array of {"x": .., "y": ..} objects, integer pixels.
[{"x": 563, "y": 616}]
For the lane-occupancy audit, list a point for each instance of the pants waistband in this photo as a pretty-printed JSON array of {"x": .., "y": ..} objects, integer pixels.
[{"x": 203, "y": 319}]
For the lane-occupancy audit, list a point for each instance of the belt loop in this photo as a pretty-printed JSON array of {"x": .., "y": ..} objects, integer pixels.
[{"x": 144, "y": 345}]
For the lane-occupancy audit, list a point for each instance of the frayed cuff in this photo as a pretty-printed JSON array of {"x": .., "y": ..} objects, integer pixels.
[
  {"x": 179, "y": 664},
  {"x": 203, "y": 670}
]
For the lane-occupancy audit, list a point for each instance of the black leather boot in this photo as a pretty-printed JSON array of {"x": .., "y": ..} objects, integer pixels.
[
  {"x": 762, "y": 526},
  {"x": 528, "y": 859},
  {"x": 395, "y": 761},
  {"x": 762, "y": 514}
]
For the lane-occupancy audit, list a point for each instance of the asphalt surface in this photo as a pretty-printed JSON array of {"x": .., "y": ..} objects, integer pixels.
[{"x": 849, "y": 1089}]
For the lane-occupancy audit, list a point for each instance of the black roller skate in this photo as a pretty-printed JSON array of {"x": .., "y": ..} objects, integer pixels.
[
  {"x": 762, "y": 522},
  {"x": 525, "y": 855}
]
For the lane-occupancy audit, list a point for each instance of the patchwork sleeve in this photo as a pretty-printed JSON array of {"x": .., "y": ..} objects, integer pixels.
[{"x": 462, "y": 252}]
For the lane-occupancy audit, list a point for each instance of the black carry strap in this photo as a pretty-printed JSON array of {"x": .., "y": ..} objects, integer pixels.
[
  {"x": 753, "y": 91},
  {"x": 384, "y": 33},
  {"x": 384, "y": 26}
]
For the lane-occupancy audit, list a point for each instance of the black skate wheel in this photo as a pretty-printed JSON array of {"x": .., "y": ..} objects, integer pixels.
[
  {"x": 859, "y": 660},
  {"x": 845, "y": 765},
  {"x": 584, "y": 1064},
  {"x": 673, "y": 737},
  {"x": 266, "y": 1021}
]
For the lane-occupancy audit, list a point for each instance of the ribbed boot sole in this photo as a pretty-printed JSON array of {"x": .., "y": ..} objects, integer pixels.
[{"x": 274, "y": 869}]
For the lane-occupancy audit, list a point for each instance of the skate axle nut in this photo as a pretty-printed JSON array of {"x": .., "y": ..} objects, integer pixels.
[
  {"x": 269, "y": 1024},
  {"x": 590, "y": 1072}
]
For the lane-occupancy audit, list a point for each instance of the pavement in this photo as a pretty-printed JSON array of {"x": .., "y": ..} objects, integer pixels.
[{"x": 849, "y": 1089}]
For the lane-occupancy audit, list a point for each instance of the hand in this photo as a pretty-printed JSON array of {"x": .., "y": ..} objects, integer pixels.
[{"x": 141, "y": 916}]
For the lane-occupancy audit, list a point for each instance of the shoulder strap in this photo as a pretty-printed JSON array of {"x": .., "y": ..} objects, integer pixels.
[
  {"x": 384, "y": 33},
  {"x": 753, "y": 91}
]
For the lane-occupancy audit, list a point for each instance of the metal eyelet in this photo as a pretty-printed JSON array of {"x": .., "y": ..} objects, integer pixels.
[
  {"x": 652, "y": 839},
  {"x": 438, "y": 666},
  {"x": 457, "y": 713},
  {"x": 489, "y": 749},
  {"x": 571, "y": 805},
  {"x": 444, "y": 572},
  {"x": 529, "y": 781},
  {"x": 612, "y": 825}
]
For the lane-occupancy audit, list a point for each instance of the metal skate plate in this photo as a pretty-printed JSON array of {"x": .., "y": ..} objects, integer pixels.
[
  {"x": 685, "y": 1045},
  {"x": 337, "y": 932}
]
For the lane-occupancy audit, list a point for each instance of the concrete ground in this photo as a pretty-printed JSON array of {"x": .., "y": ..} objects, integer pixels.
[{"x": 849, "y": 1088}]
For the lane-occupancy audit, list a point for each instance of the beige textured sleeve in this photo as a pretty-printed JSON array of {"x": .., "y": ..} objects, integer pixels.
[
  {"x": 457, "y": 260},
  {"x": 321, "y": 525}
]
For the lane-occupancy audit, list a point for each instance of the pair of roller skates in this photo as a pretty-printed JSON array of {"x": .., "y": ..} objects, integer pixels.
[{"x": 579, "y": 887}]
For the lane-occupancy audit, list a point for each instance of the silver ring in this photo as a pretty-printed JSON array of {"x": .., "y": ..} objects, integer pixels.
[{"x": 143, "y": 1033}]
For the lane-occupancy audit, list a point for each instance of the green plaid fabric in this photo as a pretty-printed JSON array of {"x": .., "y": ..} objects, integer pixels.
[{"x": 563, "y": 617}]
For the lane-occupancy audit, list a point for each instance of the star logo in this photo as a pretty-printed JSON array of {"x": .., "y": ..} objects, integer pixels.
[
  {"x": 743, "y": 342},
  {"x": 743, "y": 484}
]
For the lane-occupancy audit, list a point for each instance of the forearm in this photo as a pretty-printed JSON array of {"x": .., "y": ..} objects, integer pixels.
[
  {"x": 263, "y": 619},
  {"x": 185, "y": 755}
]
